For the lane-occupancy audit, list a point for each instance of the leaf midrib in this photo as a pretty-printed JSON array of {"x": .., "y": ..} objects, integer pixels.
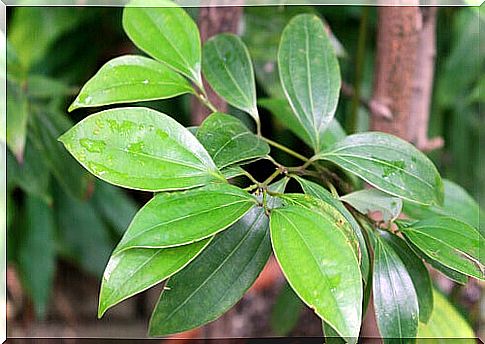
[{"x": 163, "y": 224}]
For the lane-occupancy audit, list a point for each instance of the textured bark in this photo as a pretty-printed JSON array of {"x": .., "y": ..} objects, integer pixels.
[
  {"x": 406, "y": 49},
  {"x": 423, "y": 83},
  {"x": 214, "y": 20},
  {"x": 397, "y": 44}
]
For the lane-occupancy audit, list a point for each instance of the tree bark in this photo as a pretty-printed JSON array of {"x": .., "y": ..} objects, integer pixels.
[
  {"x": 423, "y": 83},
  {"x": 214, "y": 20},
  {"x": 406, "y": 49}
]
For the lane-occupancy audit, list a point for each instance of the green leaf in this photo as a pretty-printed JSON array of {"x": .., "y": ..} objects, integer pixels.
[
  {"x": 133, "y": 271},
  {"x": 234, "y": 171},
  {"x": 40, "y": 86},
  {"x": 373, "y": 200},
  {"x": 320, "y": 265},
  {"x": 140, "y": 148},
  {"x": 445, "y": 323},
  {"x": 216, "y": 279},
  {"x": 286, "y": 311},
  {"x": 36, "y": 253},
  {"x": 17, "y": 117},
  {"x": 180, "y": 218},
  {"x": 355, "y": 237},
  {"x": 228, "y": 69},
  {"x": 395, "y": 300},
  {"x": 418, "y": 273},
  {"x": 390, "y": 164},
  {"x": 282, "y": 110},
  {"x": 32, "y": 176},
  {"x": 457, "y": 203},
  {"x": 115, "y": 206},
  {"x": 84, "y": 237},
  {"x": 451, "y": 242},
  {"x": 449, "y": 273},
  {"x": 167, "y": 34},
  {"x": 309, "y": 74},
  {"x": 229, "y": 141},
  {"x": 131, "y": 78},
  {"x": 33, "y": 30},
  {"x": 46, "y": 129},
  {"x": 332, "y": 337}
]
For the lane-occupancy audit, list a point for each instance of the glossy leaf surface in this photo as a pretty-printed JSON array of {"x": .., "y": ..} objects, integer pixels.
[
  {"x": 451, "y": 274},
  {"x": 317, "y": 205},
  {"x": 390, "y": 164},
  {"x": 318, "y": 191},
  {"x": 133, "y": 271},
  {"x": 229, "y": 141},
  {"x": 320, "y": 265},
  {"x": 167, "y": 34},
  {"x": 216, "y": 279},
  {"x": 179, "y": 218},
  {"x": 372, "y": 200},
  {"x": 395, "y": 300},
  {"x": 452, "y": 243},
  {"x": 128, "y": 79},
  {"x": 418, "y": 273},
  {"x": 228, "y": 69},
  {"x": 140, "y": 148},
  {"x": 309, "y": 74}
]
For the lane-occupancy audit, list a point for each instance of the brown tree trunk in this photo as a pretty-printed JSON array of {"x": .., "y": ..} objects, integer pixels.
[
  {"x": 214, "y": 20},
  {"x": 406, "y": 48},
  {"x": 397, "y": 44},
  {"x": 403, "y": 84}
]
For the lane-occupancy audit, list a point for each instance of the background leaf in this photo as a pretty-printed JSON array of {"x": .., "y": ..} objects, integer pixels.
[
  {"x": 140, "y": 148},
  {"x": 133, "y": 271},
  {"x": 286, "y": 311},
  {"x": 457, "y": 203},
  {"x": 390, "y": 164},
  {"x": 32, "y": 175},
  {"x": 229, "y": 141},
  {"x": 167, "y": 34},
  {"x": 309, "y": 74},
  {"x": 83, "y": 236},
  {"x": 115, "y": 206},
  {"x": 445, "y": 323},
  {"x": 372, "y": 200},
  {"x": 215, "y": 280},
  {"x": 179, "y": 218},
  {"x": 17, "y": 117},
  {"x": 36, "y": 253},
  {"x": 320, "y": 265},
  {"x": 228, "y": 69},
  {"x": 395, "y": 300},
  {"x": 46, "y": 129},
  {"x": 131, "y": 78}
]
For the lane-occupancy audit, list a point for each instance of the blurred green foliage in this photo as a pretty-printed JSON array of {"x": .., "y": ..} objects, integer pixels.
[{"x": 55, "y": 210}]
